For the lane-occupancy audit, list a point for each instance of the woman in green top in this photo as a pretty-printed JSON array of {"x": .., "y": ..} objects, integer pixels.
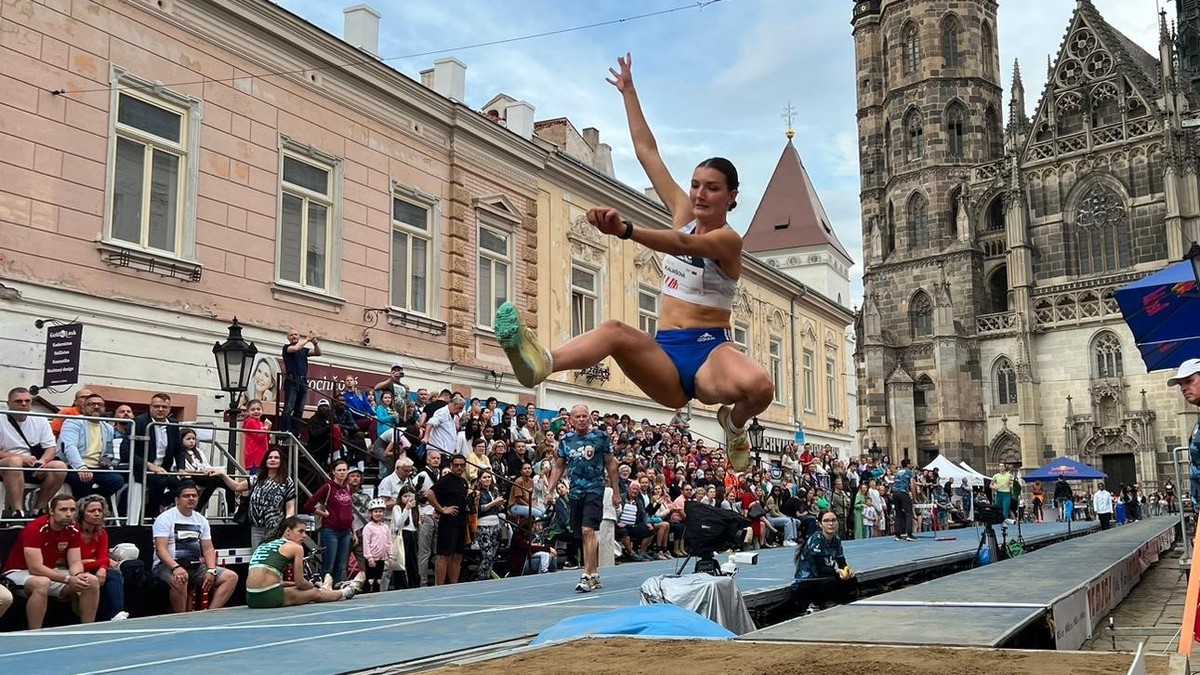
[
  {"x": 861, "y": 499},
  {"x": 265, "y": 586}
]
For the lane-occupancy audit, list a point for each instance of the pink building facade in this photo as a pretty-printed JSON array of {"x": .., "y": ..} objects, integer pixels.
[{"x": 167, "y": 166}]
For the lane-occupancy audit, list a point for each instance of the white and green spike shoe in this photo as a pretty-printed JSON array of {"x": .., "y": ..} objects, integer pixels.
[{"x": 529, "y": 360}]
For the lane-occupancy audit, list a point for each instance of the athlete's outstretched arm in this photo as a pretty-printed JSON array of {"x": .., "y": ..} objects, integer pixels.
[
  {"x": 673, "y": 196},
  {"x": 723, "y": 245}
]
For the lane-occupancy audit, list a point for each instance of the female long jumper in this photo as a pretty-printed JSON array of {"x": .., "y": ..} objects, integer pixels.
[{"x": 692, "y": 356}]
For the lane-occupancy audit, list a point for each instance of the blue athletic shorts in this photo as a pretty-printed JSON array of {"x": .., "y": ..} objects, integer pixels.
[{"x": 688, "y": 349}]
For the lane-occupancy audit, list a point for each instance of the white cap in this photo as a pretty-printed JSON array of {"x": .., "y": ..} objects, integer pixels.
[{"x": 1186, "y": 370}]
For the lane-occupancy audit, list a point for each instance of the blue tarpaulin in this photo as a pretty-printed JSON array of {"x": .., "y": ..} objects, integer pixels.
[
  {"x": 1161, "y": 311},
  {"x": 1067, "y": 468},
  {"x": 659, "y": 620}
]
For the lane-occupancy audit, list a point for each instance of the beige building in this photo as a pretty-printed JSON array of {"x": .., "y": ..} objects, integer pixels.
[{"x": 585, "y": 278}]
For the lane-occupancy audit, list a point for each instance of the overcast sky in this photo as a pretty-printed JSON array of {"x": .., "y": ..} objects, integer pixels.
[{"x": 713, "y": 80}]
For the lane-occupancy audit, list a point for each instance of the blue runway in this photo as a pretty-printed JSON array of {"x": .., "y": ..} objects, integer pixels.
[{"x": 404, "y": 626}]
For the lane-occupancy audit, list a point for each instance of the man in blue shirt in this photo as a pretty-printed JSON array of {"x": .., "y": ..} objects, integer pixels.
[
  {"x": 295, "y": 380},
  {"x": 585, "y": 455},
  {"x": 902, "y": 498},
  {"x": 1188, "y": 379}
]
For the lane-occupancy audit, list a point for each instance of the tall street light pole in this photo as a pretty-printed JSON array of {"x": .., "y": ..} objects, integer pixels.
[
  {"x": 235, "y": 358},
  {"x": 755, "y": 434}
]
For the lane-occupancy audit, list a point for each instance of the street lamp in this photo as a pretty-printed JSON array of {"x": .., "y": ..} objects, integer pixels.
[
  {"x": 1193, "y": 256},
  {"x": 235, "y": 358},
  {"x": 755, "y": 433}
]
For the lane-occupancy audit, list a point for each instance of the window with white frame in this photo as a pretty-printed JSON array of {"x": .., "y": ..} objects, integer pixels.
[
  {"x": 495, "y": 272},
  {"x": 831, "y": 395},
  {"x": 648, "y": 301},
  {"x": 305, "y": 221},
  {"x": 775, "y": 358},
  {"x": 741, "y": 336},
  {"x": 810, "y": 381},
  {"x": 584, "y": 296},
  {"x": 412, "y": 255},
  {"x": 150, "y": 172}
]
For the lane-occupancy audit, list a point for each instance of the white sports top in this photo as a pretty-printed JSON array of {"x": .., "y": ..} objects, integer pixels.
[{"x": 697, "y": 280}]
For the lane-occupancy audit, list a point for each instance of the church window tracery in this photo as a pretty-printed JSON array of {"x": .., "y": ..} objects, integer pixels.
[
  {"x": 1006, "y": 382},
  {"x": 921, "y": 315},
  {"x": 918, "y": 220},
  {"x": 950, "y": 29},
  {"x": 911, "y": 44},
  {"x": 915, "y": 132},
  {"x": 1102, "y": 231},
  {"x": 956, "y": 123},
  {"x": 1106, "y": 356}
]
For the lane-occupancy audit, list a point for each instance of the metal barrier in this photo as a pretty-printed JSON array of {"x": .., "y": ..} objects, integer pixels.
[{"x": 1186, "y": 560}]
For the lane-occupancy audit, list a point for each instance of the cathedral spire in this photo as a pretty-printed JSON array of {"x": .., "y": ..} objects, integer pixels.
[{"x": 1018, "y": 122}]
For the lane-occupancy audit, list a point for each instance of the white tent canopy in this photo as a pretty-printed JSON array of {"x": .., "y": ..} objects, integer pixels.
[{"x": 948, "y": 469}]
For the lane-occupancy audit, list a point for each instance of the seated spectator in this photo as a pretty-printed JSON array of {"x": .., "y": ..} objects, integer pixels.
[
  {"x": 93, "y": 549},
  {"x": 186, "y": 559},
  {"x": 530, "y": 552},
  {"x": 197, "y": 468},
  {"x": 46, "y": 562},
  {"x": 158, "y": 456},
  {"x": 265, "y": 587},
  {"x": 520, "y": 498},
  {"x": 85, "y": 445},
  {"x": 633, "y": 526},
  {"x": 27, "y": 443},
  {"x": 76, "y": 408},
  {"x": 822, "y": 573}
]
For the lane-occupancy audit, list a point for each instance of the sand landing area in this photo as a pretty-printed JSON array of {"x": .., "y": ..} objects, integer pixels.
[{"x": 632, "y": 656}]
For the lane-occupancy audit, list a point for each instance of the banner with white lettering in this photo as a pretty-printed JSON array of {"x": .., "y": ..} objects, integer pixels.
[{"x": 63, "y": 345}]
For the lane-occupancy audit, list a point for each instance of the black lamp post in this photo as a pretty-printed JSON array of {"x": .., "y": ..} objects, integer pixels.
[
  {"x": 755, "y": 432},
  {"x": 1193, "y": 256},
  {"x": 235, "y": 358}
]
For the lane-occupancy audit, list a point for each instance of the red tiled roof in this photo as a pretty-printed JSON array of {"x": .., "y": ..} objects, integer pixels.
[{"x": 790, "y": 214}]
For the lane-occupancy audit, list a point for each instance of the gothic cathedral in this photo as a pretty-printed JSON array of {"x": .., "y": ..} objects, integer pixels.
[{"x": 993, "y": 242}]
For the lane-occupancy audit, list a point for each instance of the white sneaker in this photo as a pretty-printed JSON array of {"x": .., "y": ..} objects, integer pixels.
[
  {"x": 349, "y": 590},
  {"x": 790, "y": 543},
  {"x": 326, "y": 583},
  {"x": 120, "y": 616},
  {"x": 596, "y": 581},
  {"x": 585, "y": 584}
]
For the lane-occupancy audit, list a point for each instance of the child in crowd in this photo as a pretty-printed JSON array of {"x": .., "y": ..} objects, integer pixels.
[
  {"x": 255, "y": 444},
  {"x": 376, "y": 543},
  {"x": 870, "y": 519}
]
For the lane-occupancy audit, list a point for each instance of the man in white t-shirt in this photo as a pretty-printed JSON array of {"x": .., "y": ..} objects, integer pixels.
[
  {"x": 390, "y": 487},
  {"x": 441, "y": 433},
  {"x": 27, "y": 443},
  {"x": 1102, "y": 504},
  {"x": 186, "y": 559}
]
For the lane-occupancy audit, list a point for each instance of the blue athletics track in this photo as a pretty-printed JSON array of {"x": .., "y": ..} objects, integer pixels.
[{"x": 416, "y": 625}]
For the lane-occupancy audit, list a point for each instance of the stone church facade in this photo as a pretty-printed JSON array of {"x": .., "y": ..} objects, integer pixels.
[{"x": 993, "y": 242}]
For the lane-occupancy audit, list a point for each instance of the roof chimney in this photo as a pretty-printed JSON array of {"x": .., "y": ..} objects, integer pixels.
[
  {"x": 520, "y": 119},
  {"x": 603, "y": 162},
  {"x": 591, "y": 136},
  {"x": 450, "y": 78},
  {"x": 362, "y": 28}
]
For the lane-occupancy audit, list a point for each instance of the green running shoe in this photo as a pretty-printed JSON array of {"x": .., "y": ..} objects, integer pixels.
[
  {"x": 529, "y": 360},
  {"x": 737, "y": 443}
]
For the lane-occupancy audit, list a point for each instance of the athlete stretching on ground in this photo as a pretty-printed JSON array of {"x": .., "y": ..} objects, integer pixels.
[{"x": 691, "y": 356}]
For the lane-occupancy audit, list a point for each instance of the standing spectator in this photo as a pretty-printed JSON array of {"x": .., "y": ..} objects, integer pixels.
[
  {"x": 332, "y": 503},
  {"x": 842, "y": 505},
  {"x": 449, "y": 499},
  {"x": 441, "y": 431},
  {"x": 85, "y": 443},
  {"x": 428, "y": 524},
  {"x": 186, "y": 559},
  {"x": 902, "y": 500},
  {"x": 862, "y": 499},
  {"x": 271, "y": 491},
  {"x": 93, "y": 550},
  {"x": 254, "y": 445},
  {"x": 1102, "y": 504},
  {"x": 586, "y": 457},
  {"x": 404, "y": 524},
  {"x": 491, "y": 505},
  {"x": 158, "y": 456},
  {"x": 27, "y": 442},
  {"x": 822, "y": 574},
  {"x": 295, "y": 378},
  {"x": 393, "y": 383},
  {"x": 396, "y": 482},
  {"x": 1038, "y": 494},
  {"x": 1063, "y": 495},
  {"x": 46, "y": 561},
  {"x": 320, "y": 433},
  {"x": 377, "y": 543},
  {"x": 1188, "y": 379}
]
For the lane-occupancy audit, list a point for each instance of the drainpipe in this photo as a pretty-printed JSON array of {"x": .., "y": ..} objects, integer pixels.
[{"x": 795, "y": 380}]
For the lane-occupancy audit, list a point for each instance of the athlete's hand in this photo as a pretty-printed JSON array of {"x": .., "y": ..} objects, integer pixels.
[
  {"x": 607, "y": 220},
  {"x": 623, "y": 80}
]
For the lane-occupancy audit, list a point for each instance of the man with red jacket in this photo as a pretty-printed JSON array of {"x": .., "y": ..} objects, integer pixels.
[{"x": 45, "y": 562}]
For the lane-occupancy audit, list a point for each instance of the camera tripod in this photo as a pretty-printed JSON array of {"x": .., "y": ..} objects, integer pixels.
[{"x": 988, "y": 538}]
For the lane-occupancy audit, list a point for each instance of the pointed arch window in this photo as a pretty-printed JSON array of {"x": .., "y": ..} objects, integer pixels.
[
  {"x": 920, "y": 314},
  {"x": 921, "y": 396},
  {"x": 918, "y": 220},
  {"x": 911, "y": 44},
  {"x": 993, "y": 140},
  {"x": 914, "y": 131},
  {"x": 887, "y": 145},
  {"x": 956, "y": 129},
  {"x": 950, "y": 31},
  {"x": 891, "y": 229},
  {"x": 1006, "y": 382},
  {"x": 1102, "y": 231},
  {"x": 1106, "y": 355},
  {"x": 986, "y": 43}
]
